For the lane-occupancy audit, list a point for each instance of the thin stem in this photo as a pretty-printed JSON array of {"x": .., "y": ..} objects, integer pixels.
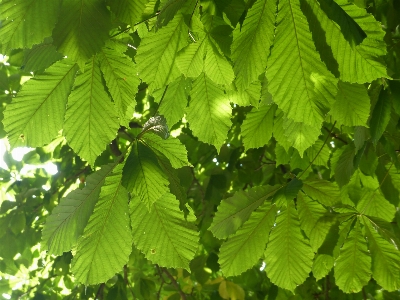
[
  {"x": 329, "y": 134},
  {"x": 128, "y": 28},
  {"x": 99, "y": 294},
  {"x": 175, "y": 283},
  {"x": 162, "y": 98}
]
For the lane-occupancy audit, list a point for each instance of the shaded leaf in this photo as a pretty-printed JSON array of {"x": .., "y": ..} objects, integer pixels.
[
  {"x": 288, "y": 256},
  {"x": 97, "y": 259},
  {"x": 36, "y": 115},
  {"x": 245, "y": 247},
  {"x": 91, "y": 121},
  {"x": 234, "y": 211},
  {"x": 163, "y": 234}
]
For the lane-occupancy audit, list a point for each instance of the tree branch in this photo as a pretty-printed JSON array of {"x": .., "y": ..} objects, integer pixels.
[{"x": 175, "y": 283}]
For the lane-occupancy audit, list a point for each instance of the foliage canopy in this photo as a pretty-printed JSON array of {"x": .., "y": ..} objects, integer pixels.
[{"x": 233, "y": 149}]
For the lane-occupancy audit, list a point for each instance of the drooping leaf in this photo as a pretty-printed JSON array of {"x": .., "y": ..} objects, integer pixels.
[
  {"x": 216, "y": 66},
  {"x": 380, "y": 116},
  {"x": 352, "y": 105},
  {"x": 20, "y": 26},
  {"x": 342, "y": 164},
  {"x": 385, "y": 259},
  {"x": 251, "y": 42},
  {"x": 36, "y": 115},
  {"x": 234, "y": 211},
  {"x": 246, "y": 97},
  {"x": 294, "y": 59},
  {"x": 170, "y": 9},
  {"x": 129, "y": 12},
  {"x": 82, "y": 29},
  {"x": 40, "y": 57},
  {"x": 209, "y": 112},
  {"x": 372, "y": 203},
  {"x": 68, "y": 220},
  {"x": 355, "y": 37},
  {"x": 287, "y": 193},
  {"x": 162, "y": 233},
  {"x": 257, "y": 127},
  {"x": 288, "y": 256},
  {"x": 300, "y": 135},
  {"x": 91, "y": 120},
  {"x": 313, "y": 220},
  {"x": 322, "y": 265},
  {"x": 107, "y": 239},
  {"x": 245, "y": 247},
  {"x": 319, "y": 153},
  {"x": 190, "y": 59},
  {"x": 323, "y": 191},
  {"x": 157, "y": 53},
  {"x": 172, "y": 106},
  {"x": 353, "y": 266},
  {"x": 120, "y": 75},
  {"x": 171, "y": 148},
  {"x": 142, "y": 175}
]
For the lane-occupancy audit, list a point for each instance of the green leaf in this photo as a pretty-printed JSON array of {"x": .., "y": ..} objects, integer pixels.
[
  {"x": 319, "y": 153},
  {"x": 68, "y": 220},
  {"x": 288, "y": 256},
  {"x": 36, "y": 115},
  {"x": 40, "y": 57},
  {"x": 246, "y": 246},
  {"x": 323, "y": 264},
  {"x": 313, "y": 220},
  {"x": 246, "y": 97},
  {"x": 163, "y": 234},
  {"x": 385, "y": 259},
  {"x": 342, "y": 164},
  {"x": 142, "y": 175},
  {"x": 380, "y": 116},
  {"x": 288, "y": 192},
  {"x": 352, "y": 105},
  {"x": 20, "y": 25},
  {"x": 234, "y": 211},
  {"x": 300, "y": 135},
  {"x": 372, "y": 203},
  {"x": 121, "y": 79},
  {"x": 170, "y": 9},
  {"x": 257, "y": 127},
  {"x": 171, "y": 148},
  {"x": 279, "y": 132},
  {"x": 359, "y": 57},
  {"x": 157, "y": 53},
  {"x": 91, "y": 121},
  {"x": 107, "y": 240},
  {"x": 209, "y": 112},
  {"x": 172, "y": 106},
  {"x": 323, "y": 191},
  {"x": 190, "y": 60},
  {"x": 216, "y": 66},
  {"x": 82, "y": 29},
  {"x": 129, "y": 12},
  {"x": 294, "y": 59},
  {"x": 353, "y": 266},
  {"x": 251, "y": 42}
]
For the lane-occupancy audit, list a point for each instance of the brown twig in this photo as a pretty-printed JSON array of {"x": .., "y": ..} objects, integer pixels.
[
  {"x": 175, "y": 283},
  {"x": 334, "y": 135},
  {"x": 99, "y": 294}
]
